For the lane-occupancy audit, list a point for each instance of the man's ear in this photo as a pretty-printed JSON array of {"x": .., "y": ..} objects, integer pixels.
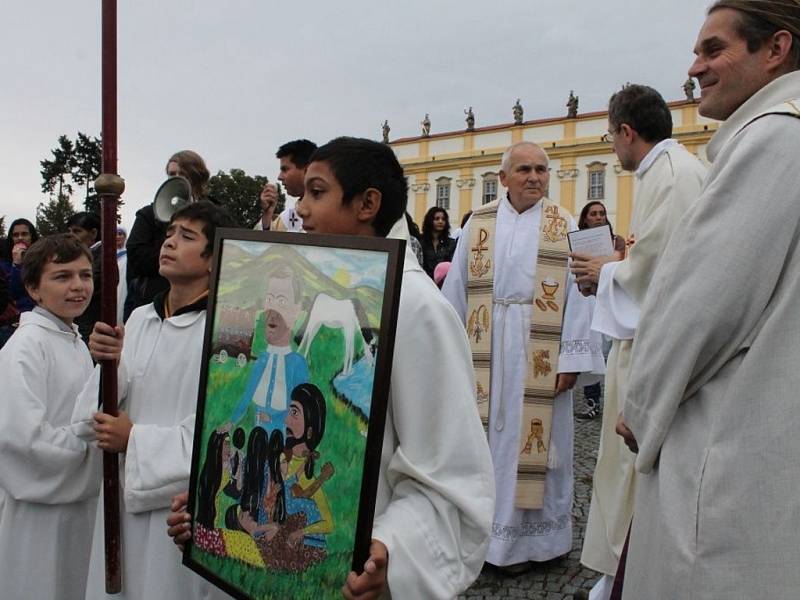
[
  {"x": 503, "y": 177},
  {"x": 780, "y": 48},
  {"x": 370, "y": 205}
]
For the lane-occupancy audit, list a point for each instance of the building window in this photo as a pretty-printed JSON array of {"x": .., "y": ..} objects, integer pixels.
[
  {"x": 443, "y": 193},
  {"x": 489, "y": 188},
  {"x": 597, "y": 180}
]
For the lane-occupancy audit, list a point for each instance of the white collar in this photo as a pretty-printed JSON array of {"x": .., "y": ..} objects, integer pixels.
[
  {"x": 654, "y": 153},
  {"x": 278, "y": 350},
  {"x": 49, "y": 319}
]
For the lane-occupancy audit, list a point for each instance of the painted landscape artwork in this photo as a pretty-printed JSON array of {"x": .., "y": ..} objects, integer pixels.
[{"x": 290, "y": 419}]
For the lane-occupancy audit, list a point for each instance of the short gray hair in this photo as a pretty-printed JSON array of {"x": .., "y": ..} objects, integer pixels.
[{"x": 505, "y": 162}]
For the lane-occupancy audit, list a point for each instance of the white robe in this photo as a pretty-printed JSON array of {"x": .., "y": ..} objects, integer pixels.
[
  {"x": 159, "y": 376},
  {"x": 435, "y": 493},
  {"x": 49, "y": 478},
  {"x": 714, "y": 376},
  {"x": 667, "y": 188},
  {"x": 522, "y": 535}
]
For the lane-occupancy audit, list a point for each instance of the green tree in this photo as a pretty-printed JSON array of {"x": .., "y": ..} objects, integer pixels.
[
  {"x": 51, "y": 217},
  {"x": 86, "y": 167},
  {"x": 239, "y": 193},
  {"x": 56, "y": 171}
]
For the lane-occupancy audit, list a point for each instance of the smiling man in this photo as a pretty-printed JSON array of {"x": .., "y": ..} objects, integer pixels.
[
  {"x": 711, "y": 396},
  {"x": 510, "y": 285}
]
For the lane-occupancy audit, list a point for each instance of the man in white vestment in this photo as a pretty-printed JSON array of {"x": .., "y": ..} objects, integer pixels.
[
  {"x": 159, "y": 374},
  {"x": 523, "y": 535},
  {"x": 669, "y": 179},
  {"x": 711, "y": 400}
]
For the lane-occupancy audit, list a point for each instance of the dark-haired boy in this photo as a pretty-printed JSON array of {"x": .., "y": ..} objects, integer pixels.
[
  {"x": 49, "y": 478},
  {"x": 159, "y": 371},
  {"x": 435, "y": 497}
]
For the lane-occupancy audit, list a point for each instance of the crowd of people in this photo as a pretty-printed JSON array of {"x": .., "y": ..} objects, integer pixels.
[{"x": 694, "y": 486}]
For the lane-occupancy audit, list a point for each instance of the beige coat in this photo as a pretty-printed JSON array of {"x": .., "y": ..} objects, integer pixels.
[
  {"x": 712, "y": 395},
  {"x": 665, "y": 192}
]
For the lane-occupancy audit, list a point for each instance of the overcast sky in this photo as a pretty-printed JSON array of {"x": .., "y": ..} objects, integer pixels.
[{"x": 233, "y": 80}]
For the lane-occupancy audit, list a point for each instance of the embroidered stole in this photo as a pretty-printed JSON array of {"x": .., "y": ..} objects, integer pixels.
[{"x": 544, "y": 341}]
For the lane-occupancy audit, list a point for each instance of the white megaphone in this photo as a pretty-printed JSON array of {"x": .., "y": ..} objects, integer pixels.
[{"x": 172, "y": 195}]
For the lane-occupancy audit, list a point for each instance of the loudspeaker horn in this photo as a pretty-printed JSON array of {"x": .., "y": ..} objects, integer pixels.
[{"x": 172, "y": 195}]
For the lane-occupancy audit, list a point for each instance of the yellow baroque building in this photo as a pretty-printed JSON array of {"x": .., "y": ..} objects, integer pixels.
[{"x": 458, "y": 170}]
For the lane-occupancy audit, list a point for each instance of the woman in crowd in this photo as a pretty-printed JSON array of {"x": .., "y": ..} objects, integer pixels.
[
  {"x": 21, "y": 235},
  {"x": 148, "y": 233},
  {"x": 437, "y": 246},
  {"x": 594, "y": 215}
]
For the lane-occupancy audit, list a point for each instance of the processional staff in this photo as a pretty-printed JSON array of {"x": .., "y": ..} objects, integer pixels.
[{"x": 109, "y": 186}]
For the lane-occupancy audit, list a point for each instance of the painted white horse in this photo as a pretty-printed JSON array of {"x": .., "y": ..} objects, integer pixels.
[{"x": 336, "y": 314}]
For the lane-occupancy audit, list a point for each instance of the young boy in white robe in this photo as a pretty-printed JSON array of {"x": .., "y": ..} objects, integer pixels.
[
  {"x": 159, "y": 374},
  {"x": 49, "y": 478},
  {"x": 435, "y": 497}
]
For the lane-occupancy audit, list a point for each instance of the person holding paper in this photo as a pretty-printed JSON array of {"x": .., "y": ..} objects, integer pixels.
[
  {"x": 594, "y": 215},
  {"x": 669, "y": 179}
]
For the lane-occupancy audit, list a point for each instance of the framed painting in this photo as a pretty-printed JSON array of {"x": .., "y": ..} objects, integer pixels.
[{"x": 291, "y": 410}]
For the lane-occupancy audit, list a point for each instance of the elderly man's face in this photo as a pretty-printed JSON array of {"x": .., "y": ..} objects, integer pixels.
[
  {"x": 528, "y": 176},
  {"x": 727, "y": 72}
]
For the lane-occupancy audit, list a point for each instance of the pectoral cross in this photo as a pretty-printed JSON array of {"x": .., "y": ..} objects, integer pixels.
[{"x": 293, "y": 219}]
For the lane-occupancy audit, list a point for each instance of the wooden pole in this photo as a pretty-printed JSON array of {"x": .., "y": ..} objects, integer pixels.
[{"x": 109, "y": 186}]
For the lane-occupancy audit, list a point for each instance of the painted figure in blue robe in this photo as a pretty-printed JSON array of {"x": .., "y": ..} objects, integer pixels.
[{"x": 278, "y": 369}]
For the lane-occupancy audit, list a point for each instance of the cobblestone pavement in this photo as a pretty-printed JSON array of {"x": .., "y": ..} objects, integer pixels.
[{"x": 558, "y": 579}]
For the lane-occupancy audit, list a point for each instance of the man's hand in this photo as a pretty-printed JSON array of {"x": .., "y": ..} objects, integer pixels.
[
  {"x": 179, "y": 522},
  {"x": 105, "y": 342},
  {"x": 112, "y": 432},
  {"x": 372, "y": 582},
  {"x": 565, "y": 381},
  {"x": 587, "y": 269},
  {"x": 269, "y": 200},
  {"x": 627, "y": 435}
]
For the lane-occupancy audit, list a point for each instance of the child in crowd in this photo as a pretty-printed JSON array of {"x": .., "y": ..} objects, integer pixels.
[
  {"x": 159, "y": 374},
  {"x": 435, "y": 497},
  {"x": 49, "y": 478}
]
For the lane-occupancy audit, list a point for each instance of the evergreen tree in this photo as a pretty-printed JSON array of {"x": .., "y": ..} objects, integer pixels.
[
  {"x": 86, "y": 167},
  {"x": 55, "y": 172},
  {"x": 52, "y": 217}
]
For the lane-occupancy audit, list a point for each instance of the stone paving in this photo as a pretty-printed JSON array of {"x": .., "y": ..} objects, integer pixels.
[{"x": 558, "y": 579}]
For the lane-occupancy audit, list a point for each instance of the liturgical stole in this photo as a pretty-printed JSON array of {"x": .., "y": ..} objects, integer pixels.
[{"x": 544, "y": 337}]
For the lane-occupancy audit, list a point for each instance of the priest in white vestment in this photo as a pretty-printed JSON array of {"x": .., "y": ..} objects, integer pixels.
[
  {"x": 669, "y": 179},
  {"x": 711, "y": 398},
  {"x": 520, "y": 535}
]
